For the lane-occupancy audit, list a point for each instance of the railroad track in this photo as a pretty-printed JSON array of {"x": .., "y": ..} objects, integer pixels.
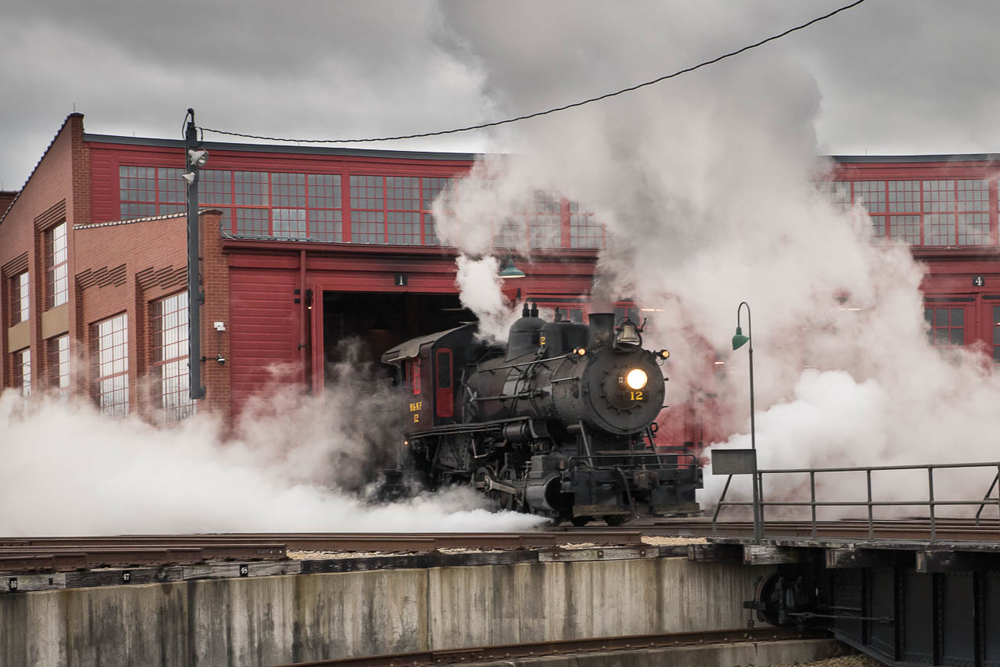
[
  {"x": 63, "y": 554},
  {"x": 566, "y": 646}
]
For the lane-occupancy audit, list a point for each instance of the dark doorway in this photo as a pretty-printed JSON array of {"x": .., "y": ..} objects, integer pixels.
[{"x": 380, "y": 321}]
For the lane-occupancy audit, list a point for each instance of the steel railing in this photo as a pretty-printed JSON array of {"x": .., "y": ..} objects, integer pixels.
[{"x": 931, "y": 502}]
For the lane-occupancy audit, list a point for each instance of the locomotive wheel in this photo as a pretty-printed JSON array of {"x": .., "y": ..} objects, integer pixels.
[
  {"x": 508, "y": 475},
  {"x": 615, "y": 519},
  {"x": 580, "y": 521}
]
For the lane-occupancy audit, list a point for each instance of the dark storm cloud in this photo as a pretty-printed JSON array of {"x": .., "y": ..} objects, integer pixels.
[{"x": 895, "y": 75}]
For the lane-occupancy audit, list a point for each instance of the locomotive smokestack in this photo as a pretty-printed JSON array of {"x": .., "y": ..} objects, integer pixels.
[
  {"x": 534, "y": 309},
  {"x": 602, "y": 329},
  {"x": 524, "y": 311}
]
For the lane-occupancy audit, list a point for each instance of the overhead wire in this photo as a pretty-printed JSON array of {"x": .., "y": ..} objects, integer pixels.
[{"x": 537, "y": 114}]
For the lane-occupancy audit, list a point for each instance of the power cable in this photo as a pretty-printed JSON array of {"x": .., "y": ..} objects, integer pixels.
[{"x": 547, "y": 111}]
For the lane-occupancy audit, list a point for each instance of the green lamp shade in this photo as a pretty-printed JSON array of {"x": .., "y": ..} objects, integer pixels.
[
  {"x": 739, "y": 340},
  {"x": 511, "y": 271}
]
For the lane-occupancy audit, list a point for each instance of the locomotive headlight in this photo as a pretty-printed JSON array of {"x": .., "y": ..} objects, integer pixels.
[{"x": 636, "y": 378}]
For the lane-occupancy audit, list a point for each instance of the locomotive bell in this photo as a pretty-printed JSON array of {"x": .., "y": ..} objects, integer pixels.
[{"x": 628, "y": 334}]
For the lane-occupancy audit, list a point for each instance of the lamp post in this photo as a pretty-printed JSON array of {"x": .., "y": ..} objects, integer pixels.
[{"x": 739, "y": 340}]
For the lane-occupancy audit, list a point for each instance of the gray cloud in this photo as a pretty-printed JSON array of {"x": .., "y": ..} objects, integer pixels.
[{"x": 906, "y": 76}]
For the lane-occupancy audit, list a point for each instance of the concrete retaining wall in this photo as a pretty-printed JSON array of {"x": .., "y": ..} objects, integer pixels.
[{"x": 280, "y": 619}]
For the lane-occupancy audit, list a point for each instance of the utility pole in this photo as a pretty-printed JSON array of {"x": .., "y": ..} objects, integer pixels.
[{"x": 194, "y": 159}]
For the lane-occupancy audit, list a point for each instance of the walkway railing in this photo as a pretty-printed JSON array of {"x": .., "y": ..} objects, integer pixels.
[{"x": 930, "y": 503}]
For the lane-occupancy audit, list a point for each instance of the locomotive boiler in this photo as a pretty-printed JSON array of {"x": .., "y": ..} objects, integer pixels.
[{"x": 560, "y": 422}]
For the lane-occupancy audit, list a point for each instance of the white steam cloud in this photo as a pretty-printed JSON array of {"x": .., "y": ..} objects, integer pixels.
[
  {"x": 294, "y": 464},
  {"x": 480, "y": 290},
  {"x": 708, "y": 187}
]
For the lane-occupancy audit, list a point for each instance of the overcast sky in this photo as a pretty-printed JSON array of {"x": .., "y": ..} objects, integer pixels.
[{"x": 893, "y": 76}]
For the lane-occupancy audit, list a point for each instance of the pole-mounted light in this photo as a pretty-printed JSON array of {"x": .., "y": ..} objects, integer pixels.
[
  {"x": 739, "y": 340},
  {"x": 195, "y": 158}
]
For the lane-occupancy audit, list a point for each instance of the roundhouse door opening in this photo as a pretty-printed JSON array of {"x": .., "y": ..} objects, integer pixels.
[{"x": 363, "y": 325}]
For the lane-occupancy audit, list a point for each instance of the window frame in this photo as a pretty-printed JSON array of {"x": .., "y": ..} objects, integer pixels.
[
  {"x": 56, "y": 269},
  {"x": 175, "y": 405},
  {"x": 118, "y": 379}
]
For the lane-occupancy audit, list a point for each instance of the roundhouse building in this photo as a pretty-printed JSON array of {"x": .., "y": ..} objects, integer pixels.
[{"x": 305, "y": 247}]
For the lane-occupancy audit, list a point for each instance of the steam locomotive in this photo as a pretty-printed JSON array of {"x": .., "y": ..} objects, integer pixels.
[{"x": 560, "y": 423}]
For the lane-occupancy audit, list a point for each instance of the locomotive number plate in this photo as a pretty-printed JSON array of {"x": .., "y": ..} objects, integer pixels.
[{"x": 635, "y": 395}]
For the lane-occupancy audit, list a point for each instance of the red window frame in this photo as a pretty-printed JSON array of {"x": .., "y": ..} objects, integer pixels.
[
  {"x": 444, "y": 394},
  {"x": 413, "y": 375},
  {"x": 946, "y": 323}
]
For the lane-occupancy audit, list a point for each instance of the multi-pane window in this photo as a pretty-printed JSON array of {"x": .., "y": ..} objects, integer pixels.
[
  {"x": 56, "y": 266},
  {"x": 839, "y": 194},
  {"x": 393, "y": 210},
  {"x": 288, "y": 199},
  {"x": 931, "y": 212},
  {"x": 172, "y": 191},
  {"x": 109, "y": 365},
  {"x": 22, "y": 372},
  {"x": 402, "y": 216},
  {"x": 57, "y": 363},
  {"x": 433, "y": 190},
  {"x": 367, "y": 209},
  {"x": 509, "y": 233},
  {"x": 545, "y": 222},
  {"x": 169, "y": 330},
  {"x": 215, "y": 189},
  {"x": 973, "y": 212},
  {"x": 137, "y": 190},
  {"x": 325, "y": 216},
  {"x": 946, "y": 326},
  {"x": 584, "y": 231},
  {"x": 20, "y": 298}
]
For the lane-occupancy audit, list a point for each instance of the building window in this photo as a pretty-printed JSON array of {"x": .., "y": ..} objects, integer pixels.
[
  {"x": 56, "y": 267},
  {"x": 996, "y": 334},
  {"x": 434, "y": 189},
  {"x": 169, "y": 328},
  {"x": 171, "y": 191},
  {"x": 325, "y": 214},
  {"x": 973, "y": 212},
  {"x": 932, "y": 213},
  {"x": 57, "y": 363},
  {"x": 402, "y": 202},
  {"x": 584, "y": 232},
  {"x": 109, "y": 359},
  {"x": 20, "y": 298},
  {"x": 367, "y": 209},
  {"x": 22, "y": 372},
  {"x": 137, "y": 192},
  {"x": 946, "y": 326},
  {"x": 545, "y": 221}
]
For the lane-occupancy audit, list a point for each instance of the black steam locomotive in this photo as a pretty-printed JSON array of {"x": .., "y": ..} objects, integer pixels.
[{"x": 560, "y": 423}]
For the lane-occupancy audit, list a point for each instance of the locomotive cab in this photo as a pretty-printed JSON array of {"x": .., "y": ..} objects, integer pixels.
[{"x": 429, "y": 368}]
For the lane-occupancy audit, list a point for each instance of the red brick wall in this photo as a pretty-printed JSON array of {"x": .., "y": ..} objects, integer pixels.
[
  {"x": 48, "y": 198},
  {"x": 125, "y": 267}
]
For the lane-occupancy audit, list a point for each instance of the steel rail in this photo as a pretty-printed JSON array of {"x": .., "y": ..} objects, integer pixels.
[{"x": 567, "y": 646}]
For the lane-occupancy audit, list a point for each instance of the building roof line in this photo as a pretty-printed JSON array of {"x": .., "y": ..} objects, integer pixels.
[
  {"x": 152, "y": 218},
  {"x": 282, "y": 148},
  {"x": 37, "y": 164}
]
